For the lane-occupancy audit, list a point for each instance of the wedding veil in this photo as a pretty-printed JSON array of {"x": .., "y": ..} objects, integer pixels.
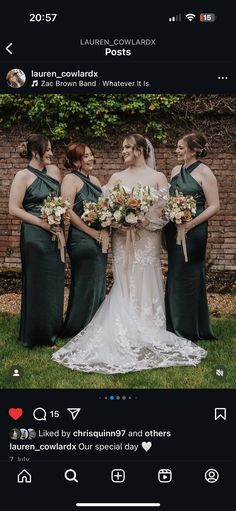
[{"x": 151, "y": 162}]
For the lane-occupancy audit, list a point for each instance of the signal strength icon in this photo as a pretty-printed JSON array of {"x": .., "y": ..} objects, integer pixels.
[
  {"x": 190, "y": 16},
  {"x": 175, "y": 18}
]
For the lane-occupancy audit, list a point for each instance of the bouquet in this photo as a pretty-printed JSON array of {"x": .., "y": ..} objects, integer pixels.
[
  {"x": 130, "y": 208},
  {"x": 97, "y": 214},
  {"x": 120, "y": 208},
  {"x": 53, "y": 211},
  {"x": 180, "y": 208}
]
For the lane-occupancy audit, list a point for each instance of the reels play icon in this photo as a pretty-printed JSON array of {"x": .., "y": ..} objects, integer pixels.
[{"x": 164, "y": 475}]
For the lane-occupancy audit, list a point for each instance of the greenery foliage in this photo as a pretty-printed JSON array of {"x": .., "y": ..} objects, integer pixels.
[{"x": 92, "y": 115}]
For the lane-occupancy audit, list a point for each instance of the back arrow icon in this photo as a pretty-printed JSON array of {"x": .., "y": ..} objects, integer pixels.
[{"x": 7, "y": 48}]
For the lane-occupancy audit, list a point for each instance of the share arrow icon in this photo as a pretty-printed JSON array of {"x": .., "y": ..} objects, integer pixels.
[{"x": 74, "y": 412}]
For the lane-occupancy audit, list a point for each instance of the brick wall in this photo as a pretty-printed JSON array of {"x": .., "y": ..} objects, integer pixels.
[{"x": 221, "y": 254}]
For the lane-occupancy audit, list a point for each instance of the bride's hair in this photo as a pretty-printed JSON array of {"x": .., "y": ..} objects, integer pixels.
[{"x": 139, "y": 142}]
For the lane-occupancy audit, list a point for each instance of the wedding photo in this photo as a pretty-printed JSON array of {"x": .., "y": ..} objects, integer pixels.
[{"x": 118, "y": 241}]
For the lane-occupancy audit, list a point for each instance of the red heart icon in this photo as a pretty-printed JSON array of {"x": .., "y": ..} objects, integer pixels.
[{"x": 15, "y": 413}]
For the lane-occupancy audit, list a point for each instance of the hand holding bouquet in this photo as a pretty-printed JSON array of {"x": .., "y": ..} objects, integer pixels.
[
  {"x": 98, "y": 216},
  {"x": 180, "y": 208},
  {"x": 53, "y": 211}
]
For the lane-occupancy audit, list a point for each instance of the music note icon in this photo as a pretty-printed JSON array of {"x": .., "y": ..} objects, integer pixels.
[{"x": 35, "y": 83}]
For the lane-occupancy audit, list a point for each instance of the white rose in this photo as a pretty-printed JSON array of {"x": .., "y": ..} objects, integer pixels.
[
  {"x": 131, "y": 218},
  {"x": 106, "y": 223},
  {"x": 51, "y": 220},
  {"x": 178, "y": 215},
  {"x": 117, "y": 215},
  {"x": 59, "y": 211}
]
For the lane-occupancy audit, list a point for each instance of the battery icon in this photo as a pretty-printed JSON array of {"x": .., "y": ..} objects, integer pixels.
[{"x": 207, "y": 17}]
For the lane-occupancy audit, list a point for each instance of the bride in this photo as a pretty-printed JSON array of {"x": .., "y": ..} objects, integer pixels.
[{"x": 128, "y": 332}]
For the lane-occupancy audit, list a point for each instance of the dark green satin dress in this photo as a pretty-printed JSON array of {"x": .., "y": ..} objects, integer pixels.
[
  {"x": 88, "y": 267},
  {"x": 187, "y": 312},
  {"x": 42, "y": 270}
]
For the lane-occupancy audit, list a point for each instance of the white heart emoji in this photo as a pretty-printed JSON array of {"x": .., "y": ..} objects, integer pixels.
[{"x": 146, "y": 446}]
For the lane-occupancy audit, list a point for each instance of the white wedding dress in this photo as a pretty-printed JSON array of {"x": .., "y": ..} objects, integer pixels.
[{"x": 128, "y": 332}]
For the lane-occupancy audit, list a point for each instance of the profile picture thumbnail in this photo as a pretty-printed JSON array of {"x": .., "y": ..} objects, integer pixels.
[
  {"x": 15, "y": 78},
  {"x": 23, "y": 434},
  {"x": 14, "y": 434},
  {"x": 32, "y": 433}
]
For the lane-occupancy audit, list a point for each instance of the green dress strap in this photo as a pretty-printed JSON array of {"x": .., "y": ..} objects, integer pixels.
[
  {"x": 181, "y": 180},
  {"x": 42, "y": 174},
  {"x": 87, "y": 181}
]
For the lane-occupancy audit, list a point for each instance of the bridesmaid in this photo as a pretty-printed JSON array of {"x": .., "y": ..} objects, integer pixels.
[
  {"x": 88, "y": 263},
  {"x": 186, "y": 299},
  {"x": 42, "y": 268}
]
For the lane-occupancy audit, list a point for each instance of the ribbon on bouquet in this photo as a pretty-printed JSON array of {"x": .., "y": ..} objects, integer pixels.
[
  {"x": 104, "y": 241},
  {"x": 181, "y": 240},
  {"x": 130, "y": 242},
  {"x": 61, "y": 243}
]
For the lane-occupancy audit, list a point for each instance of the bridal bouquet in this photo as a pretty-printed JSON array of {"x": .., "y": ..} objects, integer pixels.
[
  {"x": 119, "y": 208},
  {"x": 180, "y": 208},
  {"x": 53, "y": 211},
  {"x": 129, "y": 208}
]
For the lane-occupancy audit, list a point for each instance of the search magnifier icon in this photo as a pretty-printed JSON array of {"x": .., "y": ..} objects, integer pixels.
[
  {"x": 39, "y": 414},
  {"x": 70, "y": 475}
]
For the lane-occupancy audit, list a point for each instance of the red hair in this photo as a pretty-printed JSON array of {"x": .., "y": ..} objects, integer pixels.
[{"x": 74, "y": 152}]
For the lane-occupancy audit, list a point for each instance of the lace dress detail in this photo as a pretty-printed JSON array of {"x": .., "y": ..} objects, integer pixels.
[{"x": 128, "y": 332}]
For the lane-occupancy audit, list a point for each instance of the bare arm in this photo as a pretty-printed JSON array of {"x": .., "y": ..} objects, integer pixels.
[
  {"x": 162, "y": 181},
  {"x": 210, "y": 189},
  {"x": 17, "y": 193},
  {"x": 68, "y": 191},
  {"x": 154, "y": 219},
  {"x": 113, "y": 179}
]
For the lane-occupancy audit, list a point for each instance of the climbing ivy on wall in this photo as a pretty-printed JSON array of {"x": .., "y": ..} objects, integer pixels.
[{"x": 93, "y": 115}]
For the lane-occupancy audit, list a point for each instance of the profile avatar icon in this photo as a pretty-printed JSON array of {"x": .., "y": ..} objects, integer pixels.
[
  {"x": 212, "y": 475},
  {"x": 15, "y": 78},
  {"x": 14, "y": 434},
  {"x": 15, "y": 373},
  {"x": 23, "y": 434},
  {"x": 31, "y": 433}
]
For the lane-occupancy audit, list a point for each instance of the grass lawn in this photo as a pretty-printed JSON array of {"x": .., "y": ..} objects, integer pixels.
[{"x": 39, "y": 371}]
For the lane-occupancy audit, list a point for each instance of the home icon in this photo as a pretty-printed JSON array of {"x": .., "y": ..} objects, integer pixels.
[{"x": 24, "y": 477}]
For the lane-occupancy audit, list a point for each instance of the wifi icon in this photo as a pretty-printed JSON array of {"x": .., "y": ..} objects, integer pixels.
[{"x": 190, "y": 17}]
